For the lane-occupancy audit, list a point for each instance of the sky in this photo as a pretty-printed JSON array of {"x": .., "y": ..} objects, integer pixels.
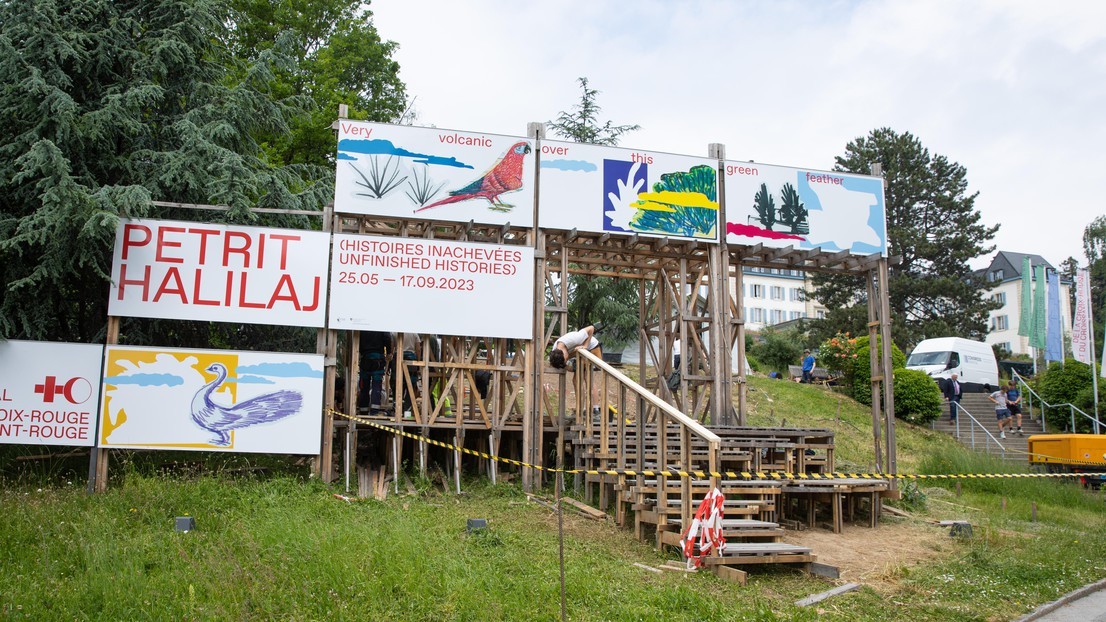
[{"x": 1015, "y": 91}]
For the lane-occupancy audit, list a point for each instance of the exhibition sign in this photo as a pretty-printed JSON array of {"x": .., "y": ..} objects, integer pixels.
[
  {"x": 202, "y": 271},
  {"x": 431, "y": 286},
  {"x": 212, "y": 400},
  {"x": 778, "y": 206},
  {"x": 624, "y": 191},
  {"x": 48, "y": 392},
  {"x": 414, "y": 172}
]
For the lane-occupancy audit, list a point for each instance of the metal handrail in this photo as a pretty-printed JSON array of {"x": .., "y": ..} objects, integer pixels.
[
  {"x": 1044, "y": 404},
  {"x": 960, "y": 409}
]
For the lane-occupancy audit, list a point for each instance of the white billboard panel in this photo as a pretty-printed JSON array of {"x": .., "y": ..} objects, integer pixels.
[
  {"x": 201, "y": 271},
  {"x": 212, "y": 400},
  {"x": 779, "y": 206},
  {"x": 624, "y": 191},
  {"x": 431, "y": 286},
  {"x": 416, "y": 172},
  {"x": 48, "y": 392}
]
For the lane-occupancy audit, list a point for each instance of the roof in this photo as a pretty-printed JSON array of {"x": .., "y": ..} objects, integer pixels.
[{"x": 1010, "y": 263}]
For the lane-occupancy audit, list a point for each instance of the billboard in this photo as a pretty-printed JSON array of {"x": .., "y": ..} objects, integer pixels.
[
  {"x": 432, "y": 286},
  {"x": 211, "y": 400},
  {"x": 48, "y": 392},
  {"x": 623, "y": 191},
  {"x": 221, "y": 273},
  {"x": 779, "y": 206},
  {"x": 415, "y": 172}
]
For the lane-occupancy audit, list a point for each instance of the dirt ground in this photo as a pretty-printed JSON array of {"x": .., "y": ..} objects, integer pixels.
[{"x": 876, "y": 557}]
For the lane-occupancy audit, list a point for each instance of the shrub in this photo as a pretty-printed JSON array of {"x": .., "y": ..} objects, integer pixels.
[
  {"x": 837, "y": 354},
  {"x": 778, "y": 349},
  {"x": 862, "y": 372},
  {"x": 1069, "y": 383},
  {"x": 917, "y": 398}
]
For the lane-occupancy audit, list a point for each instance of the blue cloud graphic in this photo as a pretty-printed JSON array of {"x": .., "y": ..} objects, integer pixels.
[
  {"x": 280, "y": 370},
  {"x": 345, "y": 156},
  {"x": 570, "y": 165},
  {"x": 385, "y": 147},
  {"x": 146, "y": 380},
  {"x": 248, "y": 380}
]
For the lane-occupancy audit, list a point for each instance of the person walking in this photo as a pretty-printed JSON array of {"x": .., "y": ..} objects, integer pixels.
[
  {"x": 953, "y": 394},
  {"x": 1002, "y": 413},
  {"x": 1014, "y": 403}
]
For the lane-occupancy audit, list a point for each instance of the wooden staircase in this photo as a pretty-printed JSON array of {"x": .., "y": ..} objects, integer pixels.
[{"x": 653, "y": 467}]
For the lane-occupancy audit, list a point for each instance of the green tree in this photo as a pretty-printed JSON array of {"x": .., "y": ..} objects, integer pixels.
[
  {"x": 862, "y": 367},
  {"x": 778, "y": 349},
  {"x": 765, "y": 206},
  {"x": 339, "y": 58},
  {"x": 109, "y": 104},
  {"x": 613, "y": 301},
  {"x": 934, "y": 227},
  {"x": 917, "y": 398},
  {"x": 1094, "y": 247}
]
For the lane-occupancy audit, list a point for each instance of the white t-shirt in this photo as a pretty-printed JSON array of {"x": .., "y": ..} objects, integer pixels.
[
  {"x": 576, "y": 339},
  {"x": 1000, "y": 399}
]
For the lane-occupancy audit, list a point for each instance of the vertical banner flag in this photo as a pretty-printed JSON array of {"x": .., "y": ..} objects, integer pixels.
[
  {"x": 1081, "y": 347},
  {"x": 1054, "y": 342},
  {"x": 1037, "y": 335},
  {"x": 1025, "y": 320}
]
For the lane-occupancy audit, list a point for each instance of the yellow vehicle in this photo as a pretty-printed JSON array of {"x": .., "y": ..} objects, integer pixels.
[{"x": 1071, "y": 453}]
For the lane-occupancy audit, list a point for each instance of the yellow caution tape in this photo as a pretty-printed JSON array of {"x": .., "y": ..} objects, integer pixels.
[{"x": 744, "y": 475}]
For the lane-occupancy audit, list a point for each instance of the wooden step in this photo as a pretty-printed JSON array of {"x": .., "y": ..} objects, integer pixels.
[{"x": 740, "y": 553}]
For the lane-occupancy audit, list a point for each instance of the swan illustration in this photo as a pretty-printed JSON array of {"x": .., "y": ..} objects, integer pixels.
[{"x": 220, "y": 420}]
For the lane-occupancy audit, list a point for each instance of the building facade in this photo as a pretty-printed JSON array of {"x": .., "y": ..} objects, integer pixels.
[
  {"x": 1004, "y": 278},
  {"x": 773, "y": 296}
]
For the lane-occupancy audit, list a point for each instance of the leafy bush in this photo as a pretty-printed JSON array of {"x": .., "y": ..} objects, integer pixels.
[
  {"x": 778, "y": 349},
  {"x": 917, "y": 398},
  {"x": 837, "y": 354},
  {"x": 862, "y": 372},
  {"x": 1069, "y": 383}
]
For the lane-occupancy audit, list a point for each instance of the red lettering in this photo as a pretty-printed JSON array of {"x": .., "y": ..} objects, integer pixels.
[
  {"x": 245, "y": 304},
  {"x": 285, "y": 281},
  {"x": 284, "y": 240},
  {"x": 204, "y": 233},
  {"x": 171, "y": 275},
  {"x": 356, "y": 130},
  {"x": 196, "y": 291},
  {"x": 163, "y": 243},
  {"x": 229, "y": 247},
  {"x": 144, "y": 281},
  {"x": 128, "y": 242},
  {"x": 314, "y": 301}
]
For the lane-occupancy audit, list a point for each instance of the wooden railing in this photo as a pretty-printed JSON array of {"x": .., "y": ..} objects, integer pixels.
[{"x": 635, "y": 414}]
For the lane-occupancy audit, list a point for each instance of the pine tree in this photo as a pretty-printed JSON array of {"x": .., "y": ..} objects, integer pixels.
[
  {"x": 934, "y": 227},
  {"x": 765, "y": 206},
  {"x": 107, "y": 105}
]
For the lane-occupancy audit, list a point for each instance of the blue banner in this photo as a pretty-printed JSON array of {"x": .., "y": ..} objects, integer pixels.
[{"x": 1054, "y": 342}]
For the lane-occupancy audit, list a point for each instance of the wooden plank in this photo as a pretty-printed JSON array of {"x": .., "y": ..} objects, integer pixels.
[
  {"x": 817, "y": 598},
  {"x": 730, "y": 574},
  {"x": 585, "y": 508},
  {"x": 824, "y": 570},
  {"x": 649, "y": 568}
]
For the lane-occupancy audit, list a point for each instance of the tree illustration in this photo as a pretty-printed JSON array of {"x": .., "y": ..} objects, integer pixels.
[
  {"x": 766, "y": 207},
  {"x": 793, "y": 213}
]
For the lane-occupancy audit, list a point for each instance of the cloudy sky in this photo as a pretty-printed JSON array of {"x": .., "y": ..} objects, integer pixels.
[{"x": 1013, "y": 90}]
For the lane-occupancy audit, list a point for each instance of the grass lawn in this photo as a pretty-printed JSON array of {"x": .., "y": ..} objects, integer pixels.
[{"x": 282, "y": 547}]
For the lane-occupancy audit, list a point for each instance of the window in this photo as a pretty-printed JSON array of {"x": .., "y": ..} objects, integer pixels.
[
  {"x": 821, "y": 314},
  {"x": 1000, "y": 298},
  {"x": 756, "y": 315},
  {"x": 995, "y": 275},
  {"x": 1005, "y": 345},
  {"x": 796, "y": 294},
  {"x": 777, "y": 292},
  {"x": 1000, "y": 322},
  {"x": 776, "y": 316},
  {"x": 756, "y": 291},
  {"x": 796, "y": 315}
]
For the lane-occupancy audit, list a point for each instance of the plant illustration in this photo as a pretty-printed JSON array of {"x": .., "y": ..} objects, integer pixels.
[
  {"x": 682, "y": 203},
  {"x": 765, "y": 206},
  {"x": 381, "y": 179},
  {"x": 793, "y": 213},
  {"x": 626, "y": 198},
  {"x": 421, "y": 190}
]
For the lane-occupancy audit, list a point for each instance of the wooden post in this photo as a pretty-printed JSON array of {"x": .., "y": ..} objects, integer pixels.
[
  {"x": 721, "y": 329},
  {"x": 326, "y": 345},
  {"x": 98, "y": 457},
  {"x": 532, "y": 420},
  {"x": 874, "y": 364}
]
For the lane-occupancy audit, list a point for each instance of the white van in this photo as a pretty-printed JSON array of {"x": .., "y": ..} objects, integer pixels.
[{"x": 973, "y": 361}]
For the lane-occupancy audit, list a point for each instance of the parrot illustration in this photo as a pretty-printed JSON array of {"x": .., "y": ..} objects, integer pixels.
[{"x": 505, "y": 176}]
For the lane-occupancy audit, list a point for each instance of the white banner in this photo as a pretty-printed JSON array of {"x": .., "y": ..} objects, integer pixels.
[
  {"x": 418, "y": 172},
  {"x": 626, "y": 191},
  {"x": 48, "y": 392},
  {"x": 1081, "y": 348},
  {"x": 212, "y": 400},
  {"x": 779, "y": 206},
  {"x": 199, "y": 271},
  {"x": 431, "y": 286}
]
